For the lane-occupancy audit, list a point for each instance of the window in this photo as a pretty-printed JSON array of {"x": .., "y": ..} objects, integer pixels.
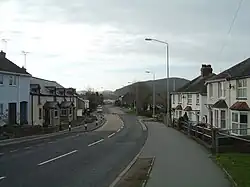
[
  {"x": 63, "y": 112},
  {"x": 189, "y": 99},
  {"x": 40, "y": 113},
  {"x": 1, "y": 108},
  {"x": 1, "y": 79},
  {"x": 216, "y": 118},
  {"x": 223, "y": 119},
  {"x": 189, "y": 116},
  {"x": 179, "y": 98},
  {"x": 239, "y": 123},
  {"x": 197, "y": 99},
  {"x": 221, "y": 90},
  {"x": 210, "y": 90},
  {"x": 241, "y": 86},
  {"x": 211, "y": 117},
  {"x": 180, "y": 113},
  {"x": 56, "y": 113},
  {"x": 12, "y": 80},
  {"x": 173, "y": 99}
]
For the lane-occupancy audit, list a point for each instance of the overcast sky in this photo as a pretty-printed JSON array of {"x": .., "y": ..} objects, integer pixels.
[{"x": 100, "y": 43}]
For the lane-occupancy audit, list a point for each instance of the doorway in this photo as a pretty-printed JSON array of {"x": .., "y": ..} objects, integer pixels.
[
  {"x": 12, "y": 113},
  {"x": 23, "y": 112}
]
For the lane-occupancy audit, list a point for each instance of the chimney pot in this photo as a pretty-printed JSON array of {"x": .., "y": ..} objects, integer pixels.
[
  {"x": 2, "y": 54},
  {"x": 206, "y": 70}
]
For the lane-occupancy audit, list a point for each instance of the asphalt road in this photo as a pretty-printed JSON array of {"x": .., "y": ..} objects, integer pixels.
[{"x": 75, "y": 159}]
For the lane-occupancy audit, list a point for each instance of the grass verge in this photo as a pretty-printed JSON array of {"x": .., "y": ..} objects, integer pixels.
[
  {"x": 137, "y": 174},
  {"x": 238, "y": 166}
]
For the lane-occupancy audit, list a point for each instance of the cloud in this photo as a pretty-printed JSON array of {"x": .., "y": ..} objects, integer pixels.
[{"x": 106, "y": 38}]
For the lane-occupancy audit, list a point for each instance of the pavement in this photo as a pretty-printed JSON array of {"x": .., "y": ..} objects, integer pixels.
[
  {"x": 74, "y": 159},
  {"x": 179, "y": 160}
]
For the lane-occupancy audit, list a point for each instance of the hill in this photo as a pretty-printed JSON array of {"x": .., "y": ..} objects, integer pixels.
[{"x": 160, "y": 85}]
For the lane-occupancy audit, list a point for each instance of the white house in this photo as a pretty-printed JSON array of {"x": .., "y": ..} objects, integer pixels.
[
  {"x": 229, "y": 99},
  {"x": 51, "y": 103},
  {"x": 192, "y": 98},
  {"x": 14, "y": 92}
]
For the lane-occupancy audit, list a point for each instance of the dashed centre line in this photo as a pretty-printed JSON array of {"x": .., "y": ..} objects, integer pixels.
[
  {"x": 95, "y": 142},
  {"x": 109, "y": 136},
  {"x": 58, "y": 157},
  {"x": 12, "y": 151},
  {"x": 27, "y": 147}
]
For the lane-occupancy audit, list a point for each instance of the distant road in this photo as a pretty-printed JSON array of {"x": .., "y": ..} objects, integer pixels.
[{"x": 75, "y": 159}]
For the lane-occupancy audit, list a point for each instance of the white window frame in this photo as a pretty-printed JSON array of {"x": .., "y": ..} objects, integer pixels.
[
  {"x": 197, "y": 99},
  {"x": 56, "y": 112},
  {"x": 210, "y": 89},
  {"x": 179, "y": 99},
  {"x": 12, "y": 80},
  {"x": 62, "y": 112},
  {"x": 241, "y": 86},
  {"x": 1, "y": 79},
  {"x": 189, "y": 99},
  {"x": 221, "y": 90},
  {"x": 225, "y": 119},
  {"x": 238, "y": 124},
  {"x": 216, "y": 117},
  {"x": 1, "y": 109}
]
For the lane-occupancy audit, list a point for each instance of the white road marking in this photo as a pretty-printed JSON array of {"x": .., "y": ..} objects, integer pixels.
[
  {"x": 50, "y": 160},
  {"x": 95, "y": 142},
  {"x": 2, "y": 178},
  {"x": 109, "y": 136},
  {"x": 52, "y": 142},
  {"x": 27, "y": 147},
  {"x": 118, "y": 130},
  {"x": 14, "y": 151}
]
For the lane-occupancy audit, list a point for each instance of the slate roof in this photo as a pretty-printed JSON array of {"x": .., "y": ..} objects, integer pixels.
[
  {"x": 188, "y": 108},
  {"x": 240, "y": 70},
  {"x": 220, "y": 104},
  {"x": 66, "y": 104},
  {"x": 178, "y": 107},
  {"x": 51, "y": 104},
  {"x": 8, "y": 66},
  {"x": 240, "y": 106},
  {"x": 197, "y": 85}
]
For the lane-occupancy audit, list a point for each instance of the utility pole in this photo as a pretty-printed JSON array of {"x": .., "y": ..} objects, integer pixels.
[
  {"x": 25, "y": 54},
  {"x": 5, "y": 41}
]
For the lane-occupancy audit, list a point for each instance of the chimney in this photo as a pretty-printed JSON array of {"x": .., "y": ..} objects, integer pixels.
[
  {"x": 206, "y": 70},
  {"x": 2, "y": 54}
]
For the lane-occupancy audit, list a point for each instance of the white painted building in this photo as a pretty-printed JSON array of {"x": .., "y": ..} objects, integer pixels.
[
  {"x": 229, "y": 99},
  {"x": 51, "y": 103},
  {"x": 192, "y": 98},
  {"x": 14, "y": 92}
]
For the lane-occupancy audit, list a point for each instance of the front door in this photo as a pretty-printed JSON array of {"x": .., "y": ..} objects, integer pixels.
[
  {"x": 46, "y": 117},
  {"x": 23, "y": 112},
  {"x": 12, "y": 113}
]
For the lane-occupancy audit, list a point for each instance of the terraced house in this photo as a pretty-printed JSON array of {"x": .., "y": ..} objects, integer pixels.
[
  {"x": 229, "y": 99},
  {"x": 51, "y": 103},
  {"x": 192, "y": 97},
  {"x": 14, "y": 92}
]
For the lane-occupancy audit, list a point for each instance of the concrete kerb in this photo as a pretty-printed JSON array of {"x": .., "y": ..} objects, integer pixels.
[
  {"x": 38, "y": 137},
  {"x": 149, "y": 171},
  {"x": 115, "y": 182}
]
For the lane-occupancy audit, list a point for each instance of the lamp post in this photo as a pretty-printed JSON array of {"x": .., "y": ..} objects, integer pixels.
[
  {"x": 153, "y": 91},
  {"x": 167, "y": 75}
]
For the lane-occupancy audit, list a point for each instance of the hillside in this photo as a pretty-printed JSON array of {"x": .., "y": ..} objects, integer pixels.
[{"x": 160, "y": 85}]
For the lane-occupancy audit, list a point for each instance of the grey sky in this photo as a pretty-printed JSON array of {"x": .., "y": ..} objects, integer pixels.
[{"x": 82, "y": 43}]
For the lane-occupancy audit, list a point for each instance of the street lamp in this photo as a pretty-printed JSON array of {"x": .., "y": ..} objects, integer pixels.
[
  {"x": 167, "y": 74},
  {"x": 153, "y": 91}
]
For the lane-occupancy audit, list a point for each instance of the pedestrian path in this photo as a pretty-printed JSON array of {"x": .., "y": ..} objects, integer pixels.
[{"x": 180, "y": 161}]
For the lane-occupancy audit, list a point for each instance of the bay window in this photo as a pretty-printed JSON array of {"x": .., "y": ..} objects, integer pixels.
[
  {"x": 239, "y": 123},
  {"x": 216, "y": 118},
  {"x": 210, "y": 89},
  {"x": 223, "y": 119},
  {"x": 221, "y": 89},
  {"x": 173, "y": 99},
  {"x": 241, "y": 86}
]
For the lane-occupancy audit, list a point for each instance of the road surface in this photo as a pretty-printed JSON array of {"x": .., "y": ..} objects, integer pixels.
[{"x": 75, "y": 159}]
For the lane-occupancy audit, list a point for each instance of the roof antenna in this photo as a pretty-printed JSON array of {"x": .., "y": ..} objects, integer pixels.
[{"x": 25, "y": 54}]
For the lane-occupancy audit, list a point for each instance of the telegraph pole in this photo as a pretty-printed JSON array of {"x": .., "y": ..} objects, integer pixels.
[{"x": 25, "y": 56}]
